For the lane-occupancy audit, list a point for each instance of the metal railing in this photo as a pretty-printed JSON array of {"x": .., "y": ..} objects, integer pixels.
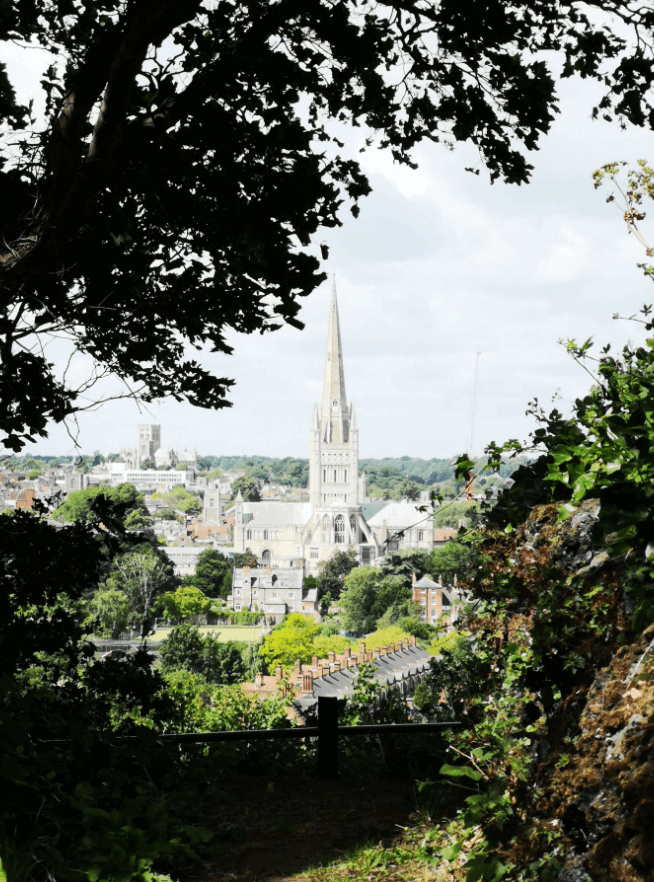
[{"x": 327, "y": 732}]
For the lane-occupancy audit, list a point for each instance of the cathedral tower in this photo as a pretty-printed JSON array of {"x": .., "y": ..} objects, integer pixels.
[{"x": 334, "y": 456}]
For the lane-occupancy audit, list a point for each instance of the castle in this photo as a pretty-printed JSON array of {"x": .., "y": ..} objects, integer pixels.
[{"x": 337, "y": 516}]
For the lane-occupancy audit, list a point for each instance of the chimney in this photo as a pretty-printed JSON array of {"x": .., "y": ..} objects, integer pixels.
[
  {"x": 347, "y": 652},
  {"x": 362, "y": 648},
  {"x": 455, "y": 582},
  {"x": 384, "y": 650},
  {"x": 376, "y": 653},
  {"x": 298, "y": 666},
  {"x": 413, "y": 579},
  {"x": 440, "y": 580},
  {"x": 314, "y": 661},
  {"x": 337, "y": 666},
  {"x": 279, "y": 672},
  {"x": 405, "y": 644},
  {"x": 307, "y": 683},
  {"x": 246, "y": 571},
  {"x": 412, "y": 640},
  {"x": 331, "y": 655}
]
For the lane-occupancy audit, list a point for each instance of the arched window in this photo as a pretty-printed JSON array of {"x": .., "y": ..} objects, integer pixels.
[
  {"x": 266, "y": 558},
  {"x": 339, "y": 530},
  {"x": 345, "y": 474},
  {"x": 324, "y": 474},
  {"x": 334, "y": 475},
  {"x": 265, "y": 535},
  {"x": 326, "y": 529},
  {"x": 353, "y": 528}
]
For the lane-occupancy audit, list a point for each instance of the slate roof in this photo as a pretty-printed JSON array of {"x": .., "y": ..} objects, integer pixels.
[
  {"x": 287, "y": 577},
  {"x": 270, "y": 514},
  {"x": 391, "y": 668},
  {"x": 371, "y": 508},
  {"x": 426, "y": 582}
]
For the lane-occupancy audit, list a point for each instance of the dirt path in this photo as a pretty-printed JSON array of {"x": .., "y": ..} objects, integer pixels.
[{"x": 266, "y": 829}]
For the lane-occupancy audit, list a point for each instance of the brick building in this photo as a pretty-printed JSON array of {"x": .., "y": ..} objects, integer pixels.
[{"x": 435, "y": 599}]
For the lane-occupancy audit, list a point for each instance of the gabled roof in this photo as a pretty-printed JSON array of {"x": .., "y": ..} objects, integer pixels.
[
  {"x": 427, "y": 582},
  {"x": 273, "y": 514},
  {"x": 397, "y": 515},
  {"x": 287, "y": 577},
  {"x": 368, "y": 509}
]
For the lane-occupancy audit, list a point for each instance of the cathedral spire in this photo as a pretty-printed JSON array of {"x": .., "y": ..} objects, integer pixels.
[{"x": 335, "y": 416}]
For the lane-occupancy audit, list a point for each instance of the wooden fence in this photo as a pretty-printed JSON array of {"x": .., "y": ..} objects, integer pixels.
[{"x": 327, "y": 732}]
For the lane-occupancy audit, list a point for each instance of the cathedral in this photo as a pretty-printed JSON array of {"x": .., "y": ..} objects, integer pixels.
[{"x": 337, "y": 516}]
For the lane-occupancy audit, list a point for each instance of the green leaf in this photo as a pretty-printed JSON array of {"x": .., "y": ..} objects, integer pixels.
[
  {"x": 451, "y": 852},
  {"x": 459, "y": 772},
  {"x": 566, "y": 511}
]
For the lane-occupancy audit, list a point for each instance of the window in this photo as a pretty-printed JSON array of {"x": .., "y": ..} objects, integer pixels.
[
  {"x": 345, "y": 474},
  {"x": 238, "y": 592},
  {"x": 334, "y": 475},
  {"x": 326, "y": 529},
  {"x": 265, "y": 535},
  {"x": 353, "y": 527},
  {"x": 314, "y": 554},
  {"x": 248, "y": 534},
  {"x": 274, "y": 594},
  {"x": 237, "y": 607},
  {"x": 339, "y": 530},
  {"x": 421, "y": 535},
  {"x": 266, "y": 558},
  {"x": 324, "y": 474}
]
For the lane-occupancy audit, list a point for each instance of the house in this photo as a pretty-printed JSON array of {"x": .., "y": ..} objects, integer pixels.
[
  {"x": 274, "y": 591},
  {"x": 398, "y": 667},
  {"x": 435, "y": 600}
]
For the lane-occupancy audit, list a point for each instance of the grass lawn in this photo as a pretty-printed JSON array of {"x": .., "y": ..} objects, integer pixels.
[{"x": 220, "y": 632}]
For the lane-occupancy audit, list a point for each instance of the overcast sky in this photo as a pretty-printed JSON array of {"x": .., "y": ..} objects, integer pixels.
[{"x": 440, "y": 265}]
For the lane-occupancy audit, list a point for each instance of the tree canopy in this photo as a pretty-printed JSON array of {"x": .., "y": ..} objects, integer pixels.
[
  {"x": 213, "y": 573},
  {"x": 367, "y": 595},
  {"x": 249, "y": 488},
  {"x": 127, "y": 500},
  {"x": 185, "y": 161},
  {"x": 333, "y": 572}
]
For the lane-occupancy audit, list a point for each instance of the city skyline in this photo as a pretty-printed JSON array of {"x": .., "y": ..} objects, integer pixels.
[{"x": 439, "y": 266}]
